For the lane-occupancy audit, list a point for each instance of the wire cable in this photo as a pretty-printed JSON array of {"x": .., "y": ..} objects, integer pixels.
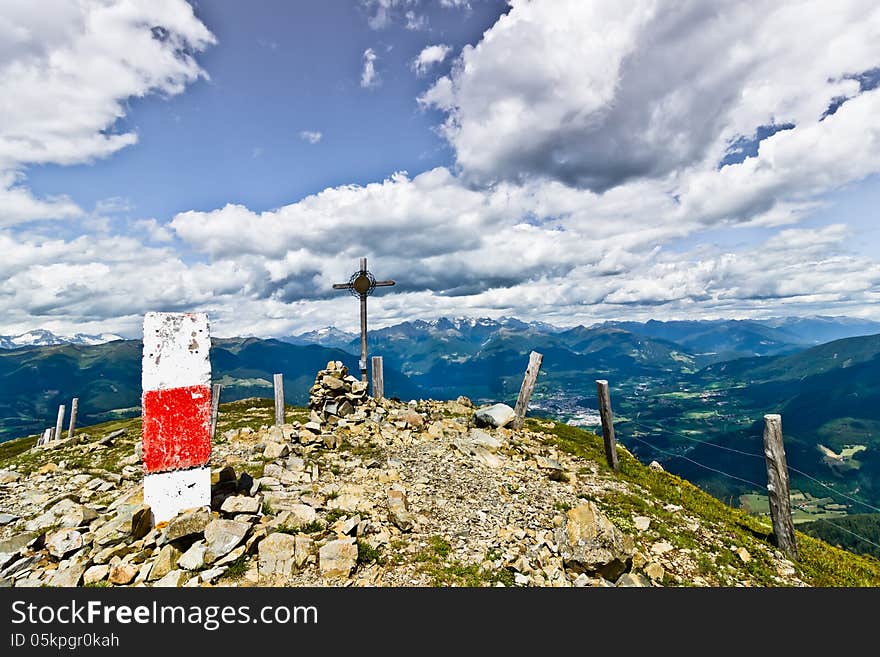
[
  {"x": 679, "y": 456},
  {"x": 697, "y": 440}
]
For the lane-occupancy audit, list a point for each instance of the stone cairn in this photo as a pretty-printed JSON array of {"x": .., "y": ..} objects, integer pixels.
[{"x": 336, "y": 395}]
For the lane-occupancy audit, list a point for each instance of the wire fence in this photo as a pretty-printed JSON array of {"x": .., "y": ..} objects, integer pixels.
[{"x": 639, "y": 437}]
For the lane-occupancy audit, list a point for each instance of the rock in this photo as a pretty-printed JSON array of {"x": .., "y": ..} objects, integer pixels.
[
  {"x": 551, "y": 467},
  {"x": 484, "y": 439},
  {"x": 520, "y": 580},
  {"x": 62, "y": 542},
  {"x": 297, "y": 515},
  {"x": 655, "y": 571},
  {"x": 276, "y": 451},
  {"x": 122, "y": 573},
  {"x": 654, "y": 465},
  {"x": 497, "y": 415},
  {"x": 194, "y": 557},
  {"x": 398, "y": 512},
  {"x": 7, "y": 518},
  {"x": 77, "y": 516},
  {"x": 174, "y": 579},
  {"x": 241, "y": 504},
  {"x": 314, "y": 427},
  {"x": 48, "y": 468},
  {"x": 338, "y": 558},
  {"x": 141, "y": 521},
  {"x": 589, "y": 543},
  {"x": 413, "y": 419},
  {"x": 165, "y": 562},
  {"x": 15, "y": 543},
  {"x": 222, "y": 536},
  {"x": 277, "y": 555},
  {"x": 642, "y": 523},
  {"x": 212, "y": 574},
  {"x": 9, "y": 476},
  {"x": 67, "y": 574},
  {"x": 743, "y": 554},
  {"x": 187, "y": 523},
  {"x": 95, "y": 574},
  {"x": 632, "y": 579},
  {"x": 302, "y": 549},
  {"x": 662, "y": 547}
]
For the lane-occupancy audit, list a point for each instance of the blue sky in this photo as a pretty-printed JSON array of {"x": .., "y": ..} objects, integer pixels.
[
  {"x": 568, "y": 161},
  {"x": 278, "y": 69}
]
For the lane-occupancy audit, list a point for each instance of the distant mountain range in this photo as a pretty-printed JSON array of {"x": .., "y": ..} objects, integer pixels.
[
  {"x": 671, "y": 382},
  {"x": 711, "y": 340},
  {"x": 44, "y": 338}
]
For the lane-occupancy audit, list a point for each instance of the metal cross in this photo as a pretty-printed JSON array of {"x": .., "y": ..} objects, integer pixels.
[{"x": 361, "y": 284}]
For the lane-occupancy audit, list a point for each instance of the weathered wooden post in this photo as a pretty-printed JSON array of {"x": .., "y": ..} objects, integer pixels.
[
  {"x": 74, "y": 405},
  {"x": 607, "y": 423},
  {"x": 215, "y": 407},
  {"x": 278, "y": 380},
  {"x": 525, "y": 391},
  {"x": 59, "y": 423},
  {"x": 176, "y": 411},
  {"x": 378, "y": 378},
  {"x": 778, "y": 486}
]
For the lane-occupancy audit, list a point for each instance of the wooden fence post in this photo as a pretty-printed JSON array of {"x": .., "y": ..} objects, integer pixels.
[
  {"x": 525, "y": 391},
  {"x": 279, "y": 399},
  {"x": 59, "y": 423},
  {"x": 607, "y": 424},
  {"x": 378, "y": 378},
  {"x": 778, "y": 487},
  {"x": 74, "y": 405},
  {"x": 215, "y": 407}
]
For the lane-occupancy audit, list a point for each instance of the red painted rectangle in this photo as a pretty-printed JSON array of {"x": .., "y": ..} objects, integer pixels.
[{"x": 176, "y": 428}]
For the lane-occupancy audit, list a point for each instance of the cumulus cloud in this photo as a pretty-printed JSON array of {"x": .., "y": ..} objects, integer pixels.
[
  {"x": 369, "y": 77},
  {"x": 70, "y": 66},
  {"x": 429, "y": 56},
  {"x": 595, "y": 93},
  {"x": 311, "y": 136},
  {"x": 598, "y": 146}
]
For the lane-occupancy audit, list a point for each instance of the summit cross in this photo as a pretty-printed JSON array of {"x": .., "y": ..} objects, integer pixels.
[{"x": 361, "y": 284}]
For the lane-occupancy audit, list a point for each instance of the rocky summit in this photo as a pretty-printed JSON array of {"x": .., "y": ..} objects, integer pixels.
[{"x": 356, "y": 491}]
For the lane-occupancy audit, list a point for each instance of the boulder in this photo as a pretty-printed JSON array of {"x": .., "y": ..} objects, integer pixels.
[
  {"x": 222, "y": 536},
  {"x": 338, "y": 558},
  {"x": 165, "y": 562},
  {"x": 122, "y": 573},
  {"x": 632, "y": 580},
  {"x": 241, "y": 504},
  {"x": 398, "y": 512},
  {"x": 589, "y": 543},
  {"x": 497, "y": 415},
  {"x": 141, "y": 521},
  {"x": 62, "y": 542},
  {"x": 277, "y": 555},
  {"x": 187, "y": 523},
  {"x": 194, "y": 557}
]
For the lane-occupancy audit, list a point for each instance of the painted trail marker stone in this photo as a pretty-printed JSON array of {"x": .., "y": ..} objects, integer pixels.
[{"x": 176, "y": 410}]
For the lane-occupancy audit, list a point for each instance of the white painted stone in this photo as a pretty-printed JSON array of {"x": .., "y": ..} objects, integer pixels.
[
  {"x": 176, "y": 349},
  {"x": 167, "y": 493}
]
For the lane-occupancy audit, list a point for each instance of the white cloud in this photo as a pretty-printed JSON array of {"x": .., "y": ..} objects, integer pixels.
[
  {"x": 70, "y": 66},
  {"x": 369, "y": 77},
  {"x": 416, "y": 21},
  {"x": 597, "y": 93},
  {"x": 588, "y": 139},
  {"x": 429, "y": 56},
  {"x": 311, "y": 136}
]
